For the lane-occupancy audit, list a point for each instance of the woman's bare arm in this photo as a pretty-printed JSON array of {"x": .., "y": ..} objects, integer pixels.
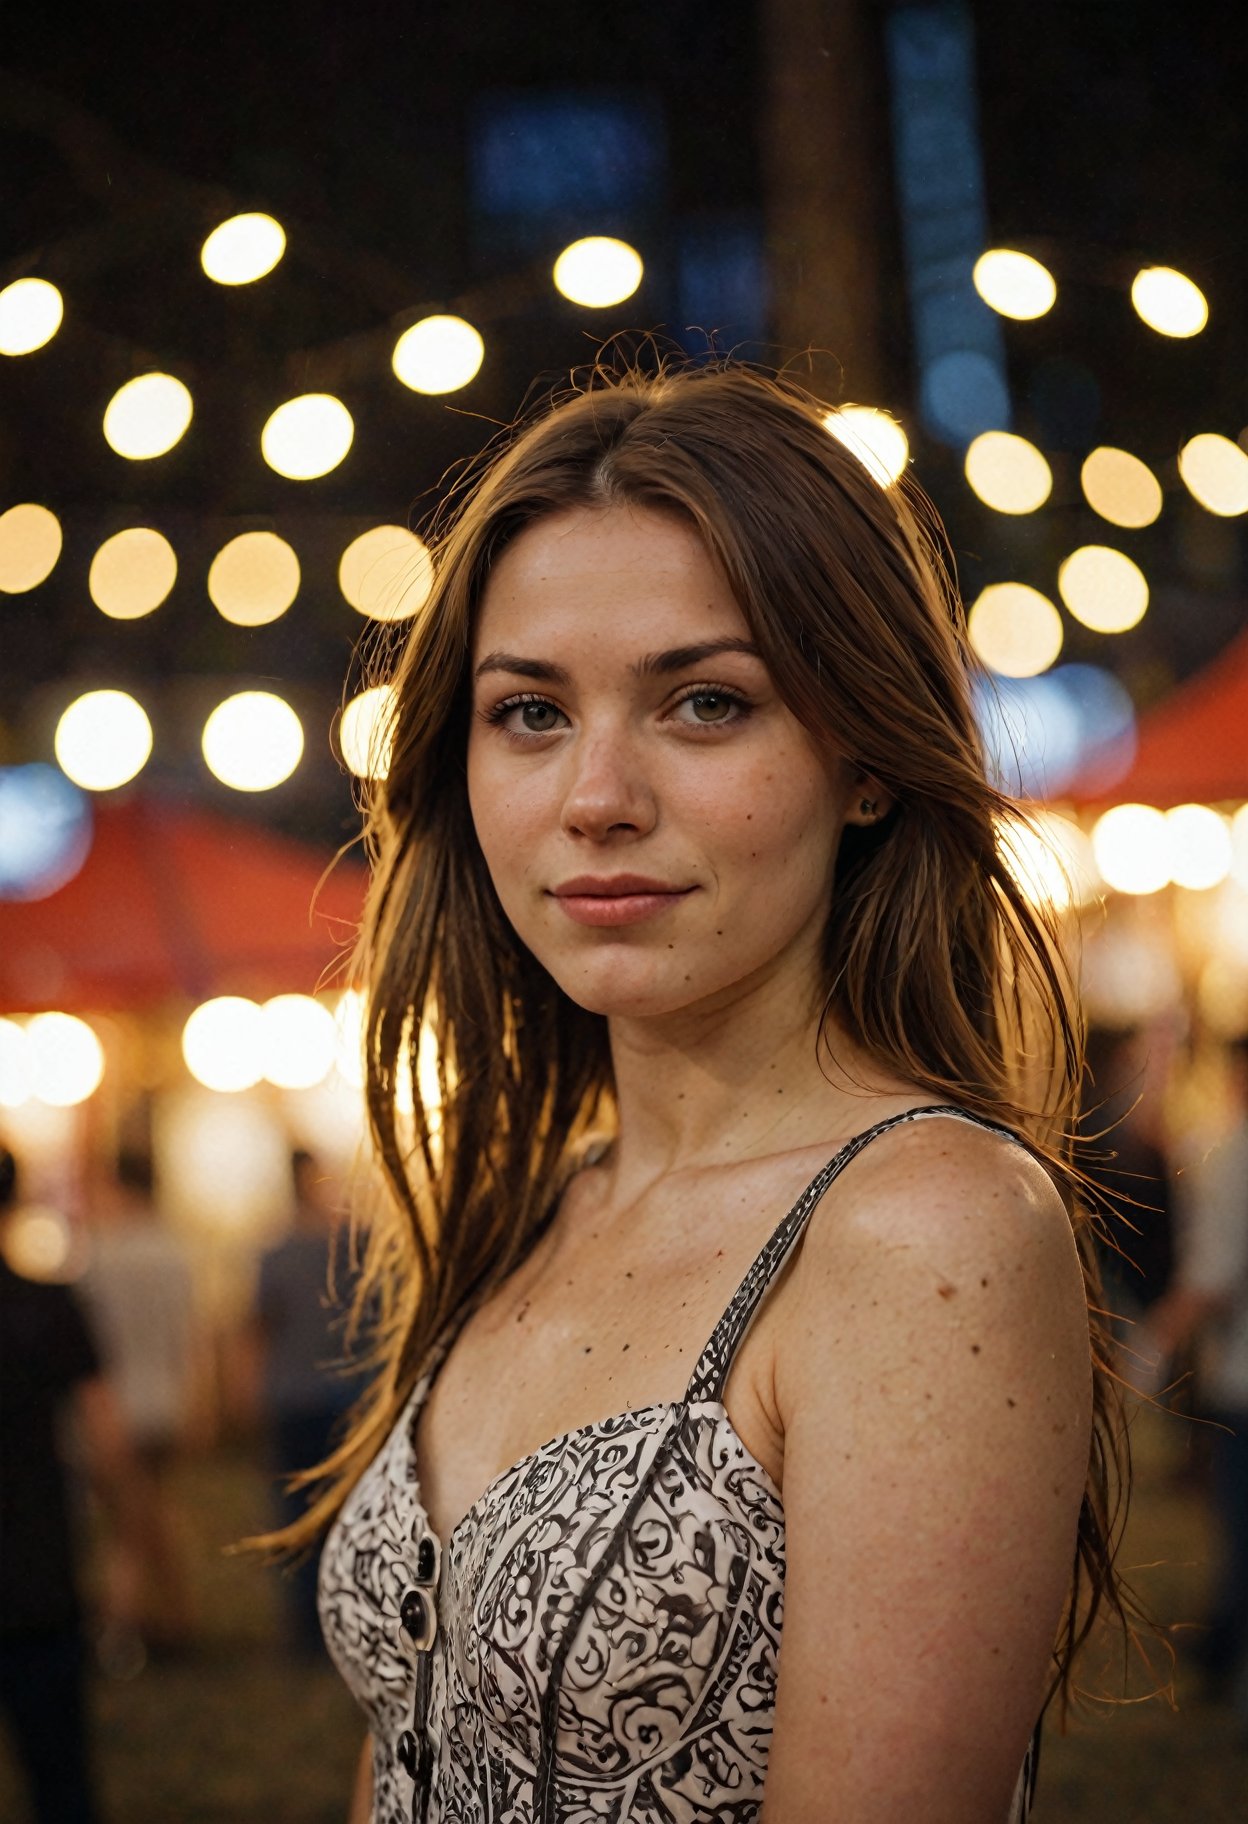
[{"x": 362, "y": 1797}]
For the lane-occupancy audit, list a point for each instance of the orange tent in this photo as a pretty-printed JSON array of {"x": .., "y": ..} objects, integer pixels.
[
  {"x": 1193, "y": 748},
  {"x": 177, "y": 902}
]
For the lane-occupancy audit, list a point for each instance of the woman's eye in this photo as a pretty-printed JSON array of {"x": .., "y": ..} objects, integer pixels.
[{"x": 533, "y": 715}]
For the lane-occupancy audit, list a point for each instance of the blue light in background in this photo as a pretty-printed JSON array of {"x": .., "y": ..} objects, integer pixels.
[
  {"x": 721, "y": 284},
  {"x": 959, "y": 348},
  {"x": 565, "y": 154},
  {"x": 1041, "y": 734},
  {"x": 45, "y": 831}
]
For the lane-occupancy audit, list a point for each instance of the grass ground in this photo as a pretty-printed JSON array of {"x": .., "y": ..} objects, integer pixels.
[{"x": 240, "y": 1732}]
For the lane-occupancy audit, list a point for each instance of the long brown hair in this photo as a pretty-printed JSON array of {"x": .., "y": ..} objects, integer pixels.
[{"x": 935, "y": 959}]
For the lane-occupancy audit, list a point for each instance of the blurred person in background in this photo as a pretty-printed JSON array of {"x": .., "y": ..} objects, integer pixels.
[
  {"x": 301, "y": 1392},
  {"x": 139, "y": 1290},
  {"x": 49, "y": 1371},
  {"x": 1208, "y": 1304},
  {"x": 1129, "y": 1166}
]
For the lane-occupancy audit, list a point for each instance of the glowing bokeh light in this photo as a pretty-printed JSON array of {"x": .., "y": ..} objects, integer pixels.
[
  {"x": 1131, "y": 849},
  {"x": 253, "y": 579},
  {"x": 349, "y": 1027},
  {"x": 253, "y": 741},
  {"x": 1103, "y": 588},
  {"x": 1008, "y": 473},
  {"x": 15, "y": 1065},
  {"x": 1169, "y": 302},
  {"x": 307, "y": 436},
  {"x": 38, "y": 1243},
  {"x": 1120, "y": 487},
  {"x": 1014, "y": 284},
  {"x": 1239, "y": 846},
  {"x": 132, "y": 573},
  {"x": 1198, "y": 842},
  {"x": 386, "y": 573},
  {"x": 222, "y": 1043},
  {"x": 1215, "y": 472},
  {"x": 31, "y": 311},
  {"x": 438, "y": 355},
  {"x": 598, "y": 271},
  {"x": 1052, "y": 863},
  {"x": 30, "y": 544},
  {"x": 1015, "y": 629},
  {"x": 366, "y": 732},
  {"x": 147, "y": 416},
  {"x": 874, "y": 437},
  {"x": 66, "y": 1059},
  {"x": 298, "y": 1041},
  {"x": 243, "y": 249},
  {"x": 103, "y": 739}
]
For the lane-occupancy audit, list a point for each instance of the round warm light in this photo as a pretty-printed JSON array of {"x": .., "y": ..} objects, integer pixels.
[
  {"x": 254, "y": 579},
  {"x": 875, "y": 438},
  {"x": 243, "y": 249},
  {"x": 1131, "y": 849},
  {"x": 598, "y": 271},
  {"x": 1014, "y": 284},
  {"x": 349, "y": 1028},
  {"x": 66, "y": 1059},
  {"x": 1120, "y": 487},
  {"x": 1199, "y": 846},
  {"x": 298, "y": 1041},
  {"x": 253, "y": 741},
  {"x": 1239, "y": 846},
  {"x": 222, "y": 1041},
  {"x": 15, "y": 1065},
  {"x": 103, "y": 739},
  {"x": 366, "y": 732},
  {"x": 1008, "y": 473},
  {"x": 1050, "y": 858},
  {"x": 30, "y": 544},
  {"x": 132, "y": 573},
  {"x": 1015, "y": 630},
  {"x": 386, "y": 573},
  {"x": 1103, "y": 588},
  {"x": 1215, "y": 472},
  {"x": 438, "y": 355},
  {"x": 307, "y": 436},
  {"x": 147, "y": 416},
  {"x": 1169, "y": 302},
  {"x": 30, "y": 315}
]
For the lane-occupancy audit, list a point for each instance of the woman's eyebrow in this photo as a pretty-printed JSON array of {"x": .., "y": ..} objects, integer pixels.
[{"x": 654, "y": 664}]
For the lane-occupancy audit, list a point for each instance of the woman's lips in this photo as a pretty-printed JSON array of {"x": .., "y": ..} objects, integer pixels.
[{"x": 617, "y": 908}]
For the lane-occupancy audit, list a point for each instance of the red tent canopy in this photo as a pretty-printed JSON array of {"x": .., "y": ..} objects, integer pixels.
[
  {"x": 178, "y": 902},
  {"x": 1193, "y": 748}
]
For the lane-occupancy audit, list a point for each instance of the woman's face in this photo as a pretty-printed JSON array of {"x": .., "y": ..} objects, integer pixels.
[{"x": 604, "y": 744}]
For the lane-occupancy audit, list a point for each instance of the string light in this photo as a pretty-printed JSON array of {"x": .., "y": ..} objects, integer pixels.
[
  {"x": 598, "y": 271},
  {"x": 253, "y": 741},
  {"x": 243, "y": 249},
  {"x": 1215, "y": 473},
  {"x": 307, "y": 436},
  {"x": 147, "y": 416},
  {"x": 253, "y": 579},
  {"x": 366, "y": 732},
  {"x": 1103, "y": 588},
  {"x": 1008, "y": 473},
  {"x": 1015, "y": 629},
  {"x": 874, "y": 437},
  {"x": 102, "y": 740},
  {"x": 386, "y": 573},
  {"x": 31, "y": 311},
  {"x": 30, "y": 544},
  {"x": 132, "y": 573},
  {"x": 1120, "y": 487},
  {"x": 1169, "y": 302},
  {"x": 1014, "y": 284},
  {"x": 438, "y": 355}
]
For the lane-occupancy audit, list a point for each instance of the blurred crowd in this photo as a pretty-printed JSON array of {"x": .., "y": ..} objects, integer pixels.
[{"x": 113, "y": 1371}]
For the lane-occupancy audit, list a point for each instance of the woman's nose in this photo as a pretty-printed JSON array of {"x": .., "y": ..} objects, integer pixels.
[{"x": 607, "y": 787}]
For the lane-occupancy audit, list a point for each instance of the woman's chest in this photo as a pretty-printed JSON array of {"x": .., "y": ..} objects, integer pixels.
[{"x": 590, "y": 1330}]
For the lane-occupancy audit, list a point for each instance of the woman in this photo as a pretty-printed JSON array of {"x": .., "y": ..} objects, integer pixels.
[{"x": 687, "y": 859}]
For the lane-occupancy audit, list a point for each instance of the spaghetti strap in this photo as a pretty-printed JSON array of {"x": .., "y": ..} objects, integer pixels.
[{"x": 710, "y": 1376}]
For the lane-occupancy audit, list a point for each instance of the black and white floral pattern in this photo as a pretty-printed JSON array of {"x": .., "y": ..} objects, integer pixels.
[{"x": 609, "y": 1613}]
